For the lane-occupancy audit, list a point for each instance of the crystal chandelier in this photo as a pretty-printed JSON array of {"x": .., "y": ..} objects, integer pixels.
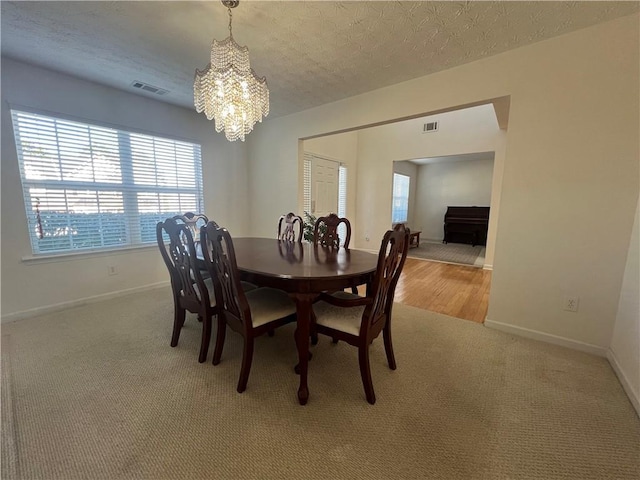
[{"x": 228, "y": 90}]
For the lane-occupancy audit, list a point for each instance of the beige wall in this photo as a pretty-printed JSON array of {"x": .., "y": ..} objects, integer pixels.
[
  {"x": 29, "y": 286},
  {"x": 570, "y": 180},
  {"x": 625, "y": 345}
]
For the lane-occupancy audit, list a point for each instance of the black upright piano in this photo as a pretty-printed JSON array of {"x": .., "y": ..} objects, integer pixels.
[{"x": 466, "y": 225}]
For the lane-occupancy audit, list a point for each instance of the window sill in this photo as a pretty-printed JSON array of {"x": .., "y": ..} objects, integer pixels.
[{"x": 70, "y": 256}]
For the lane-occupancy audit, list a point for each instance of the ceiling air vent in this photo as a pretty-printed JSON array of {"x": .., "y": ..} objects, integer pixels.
[
  {"x": 149, "y": 88},
  {"x": 430, "y": 127}
]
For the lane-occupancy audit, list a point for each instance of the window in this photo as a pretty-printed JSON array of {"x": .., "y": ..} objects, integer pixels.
[
  {"x": 88, "y": 187},
  {"x": 400, "y": 205}
]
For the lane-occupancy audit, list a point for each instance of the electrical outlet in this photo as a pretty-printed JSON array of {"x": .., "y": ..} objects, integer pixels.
[
  {"x": 571, "y": 303},
  {"x": 112, "y": 270}
]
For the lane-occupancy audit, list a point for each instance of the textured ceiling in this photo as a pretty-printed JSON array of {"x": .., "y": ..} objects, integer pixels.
[{"x": 311, "y": 52}]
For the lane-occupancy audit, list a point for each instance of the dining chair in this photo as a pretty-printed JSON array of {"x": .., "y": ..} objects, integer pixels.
[
  {"x": 249, "y": 313},
  {"x": 194, "y": 221},
  {"x": 325, "y": 231},
  {"x": 287, "y": 229},
  {"x": 191, "y": 291},
  {"x": 359, "y": 320}
]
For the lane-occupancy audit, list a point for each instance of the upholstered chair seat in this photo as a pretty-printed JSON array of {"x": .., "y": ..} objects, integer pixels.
[
  {"x": 268, "y": 304},
  {"x": 345, "y": 320}
]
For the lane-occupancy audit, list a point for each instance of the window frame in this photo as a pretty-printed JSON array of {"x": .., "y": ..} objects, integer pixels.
[
  {"x": 396, "y": 197},
  {"x": 129, "y": 185}
]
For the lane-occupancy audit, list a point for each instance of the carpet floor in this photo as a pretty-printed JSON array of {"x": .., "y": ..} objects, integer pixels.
[
  {"x": 95, "y": 392},
  {"x": 459, "y": 253}
]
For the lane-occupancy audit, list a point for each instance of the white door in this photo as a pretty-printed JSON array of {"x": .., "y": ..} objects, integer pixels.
[{"x": 324, "y": 193}]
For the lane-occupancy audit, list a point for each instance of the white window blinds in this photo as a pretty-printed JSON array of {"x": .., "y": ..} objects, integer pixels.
[
  {"x": 307, "y": 183},
  {"x": 90, "y": 187},
  {"x": 342, "y": 199}
]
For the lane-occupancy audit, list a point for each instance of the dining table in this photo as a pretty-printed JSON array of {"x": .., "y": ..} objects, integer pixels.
[{"x": 304, "y": 271}]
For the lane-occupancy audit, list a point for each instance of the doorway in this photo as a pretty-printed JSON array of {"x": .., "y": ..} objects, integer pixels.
[
  {"x": 444, "y": 187},
  {"x": 372, "y": 152}
]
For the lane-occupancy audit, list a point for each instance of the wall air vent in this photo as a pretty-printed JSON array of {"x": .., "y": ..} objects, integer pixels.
[
  {"x": 430, "y": 127},
  {"x": 149, "y": 88}
]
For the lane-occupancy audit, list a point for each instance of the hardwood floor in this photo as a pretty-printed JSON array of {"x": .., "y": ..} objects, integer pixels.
[{"x": 455, "y": 290}]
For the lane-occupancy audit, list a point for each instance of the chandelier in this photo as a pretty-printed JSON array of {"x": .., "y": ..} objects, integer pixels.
[{"x": 228, "y": 90}]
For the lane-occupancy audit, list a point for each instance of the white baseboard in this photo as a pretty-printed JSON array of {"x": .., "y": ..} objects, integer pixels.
[
  {"x": 575, "y": 345},
  {"x": 547, "y": 337},
  {"x": 624, "y": 381},
  {"x": 12, "y": 317},
  {"x": 486, "y": 266}
]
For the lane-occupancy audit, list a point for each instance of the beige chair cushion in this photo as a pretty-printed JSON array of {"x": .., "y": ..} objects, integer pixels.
[
  {"x": 344, "y": 319},
  {"x": 269, "y": 304}
]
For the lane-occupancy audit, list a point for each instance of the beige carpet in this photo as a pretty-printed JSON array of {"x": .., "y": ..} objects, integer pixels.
[
  {"x": 96, "y": 392},
  {"x": 460, "y": 253}
]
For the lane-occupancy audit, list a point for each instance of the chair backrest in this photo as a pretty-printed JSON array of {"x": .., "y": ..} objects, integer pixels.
[
  {"x": 179, "y": 256},
  {"x": 287, "y": 227},
  {"x": 220, "y": 259},
  {"x": 391, "y": 258},
  {"x": 193, "y": 221},
  {"x": 325, "y": 231}
]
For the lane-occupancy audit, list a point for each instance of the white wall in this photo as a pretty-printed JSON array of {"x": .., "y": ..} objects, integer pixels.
[
  {"x": 450, "y": 183},
  {"x": 27, "y": 287},
  {"x": 570, "y": 180},
  {"x": 625, "y": 344}
]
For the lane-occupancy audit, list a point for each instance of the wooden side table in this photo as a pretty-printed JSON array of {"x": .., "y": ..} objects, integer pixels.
[{"x": 414, "y": 239}]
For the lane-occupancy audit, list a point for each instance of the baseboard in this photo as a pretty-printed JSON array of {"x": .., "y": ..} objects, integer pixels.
[
  {"x": 547, "y": 338},
  {"x": 486, "y": 266},
  {"x": 624, "y": 381},
  {"x": 12, "y": 317}
]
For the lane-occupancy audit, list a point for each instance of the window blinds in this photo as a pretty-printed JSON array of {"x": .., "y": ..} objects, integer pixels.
[{"x": 92, "y": 187}]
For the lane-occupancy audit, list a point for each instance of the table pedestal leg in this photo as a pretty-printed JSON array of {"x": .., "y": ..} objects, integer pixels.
[{"x": 303, "y": 311}]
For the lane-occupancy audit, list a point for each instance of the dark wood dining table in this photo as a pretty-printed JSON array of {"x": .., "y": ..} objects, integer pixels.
[{"x": 303, "y": 271}]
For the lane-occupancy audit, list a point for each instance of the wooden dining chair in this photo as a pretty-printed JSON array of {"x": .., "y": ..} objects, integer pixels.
[
  {"x": 290, "y": 227},
  {"x": 191, "y": 291},
  {"x": 325, "y": 231},
  {"x": 194, "y": 221},
  {"x": 249, "y": 313},
  {"x": 359, "y": 320}
]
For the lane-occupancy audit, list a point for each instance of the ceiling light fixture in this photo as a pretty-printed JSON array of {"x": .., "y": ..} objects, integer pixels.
[{"x": 228, "y": 90}]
